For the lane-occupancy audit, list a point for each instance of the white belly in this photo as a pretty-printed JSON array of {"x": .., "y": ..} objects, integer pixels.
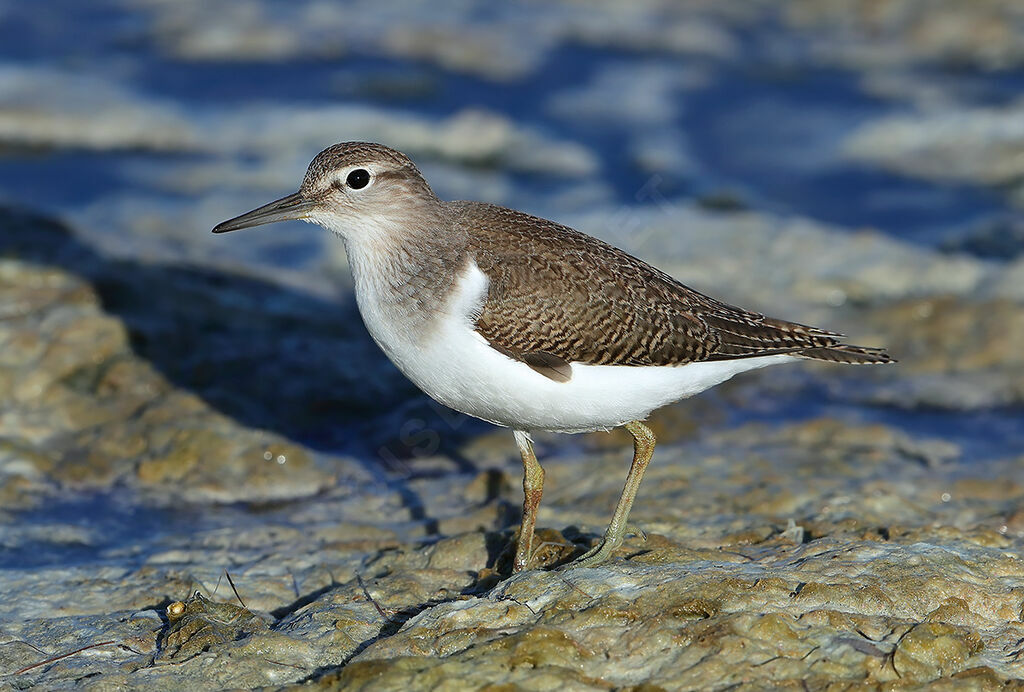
[{"x": 457, "y": 367}]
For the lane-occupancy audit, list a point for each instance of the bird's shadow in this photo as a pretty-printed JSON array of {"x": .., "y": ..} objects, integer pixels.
[{"x": 269, "y": 356}]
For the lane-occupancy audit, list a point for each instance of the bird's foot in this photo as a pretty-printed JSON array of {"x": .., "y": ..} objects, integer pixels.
[
  {"x": 597, "y": 555},
  {"x": 548, "y": 548}
]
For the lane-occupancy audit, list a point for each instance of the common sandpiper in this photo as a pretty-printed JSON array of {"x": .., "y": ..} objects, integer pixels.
[{"x": 527, "y": 323}]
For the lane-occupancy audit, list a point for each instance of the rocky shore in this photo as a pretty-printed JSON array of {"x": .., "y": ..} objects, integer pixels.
[
  {"x": 210, "y": 477},
  {"x": 838, "y": 542}
]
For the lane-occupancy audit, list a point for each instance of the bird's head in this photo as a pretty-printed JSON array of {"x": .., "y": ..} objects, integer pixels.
[{"x": 356, "y": 189}]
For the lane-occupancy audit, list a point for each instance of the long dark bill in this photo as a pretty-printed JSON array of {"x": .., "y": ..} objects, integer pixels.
[{"x": 294, "y": 206}]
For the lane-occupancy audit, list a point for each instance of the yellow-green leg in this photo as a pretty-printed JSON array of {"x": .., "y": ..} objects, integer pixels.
[
  {"x": 643, "y": 449},
  {"x": 533, "y": 488}
]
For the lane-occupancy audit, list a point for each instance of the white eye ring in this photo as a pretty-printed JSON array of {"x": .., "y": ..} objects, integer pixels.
[{"x": 358, "y": 178}]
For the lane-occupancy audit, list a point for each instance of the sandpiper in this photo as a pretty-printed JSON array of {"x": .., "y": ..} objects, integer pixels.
[{"x": 526, "y": 323}]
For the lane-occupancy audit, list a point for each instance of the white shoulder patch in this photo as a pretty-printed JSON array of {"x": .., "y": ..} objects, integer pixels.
[{"x": 470, "y": 293}]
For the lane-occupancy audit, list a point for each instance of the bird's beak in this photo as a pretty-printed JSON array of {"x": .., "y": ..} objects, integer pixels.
[{"x": 294, "y": 206}]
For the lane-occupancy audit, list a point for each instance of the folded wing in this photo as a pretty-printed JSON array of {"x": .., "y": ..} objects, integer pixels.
[{"x": 557, "y": 296}]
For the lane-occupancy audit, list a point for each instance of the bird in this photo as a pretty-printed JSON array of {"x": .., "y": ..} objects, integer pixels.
[{"x": 526, "y": 323}]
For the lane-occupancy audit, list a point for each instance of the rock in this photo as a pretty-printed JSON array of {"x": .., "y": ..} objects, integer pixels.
[
  {"x": 85, "y": 412},
  {"x": 982, "y": 35},
  {"x": 91, "y": 363},
  {"x": 694, "y": 622},
  {"x": 956, "y": 354},
  {"x": 198, "y": 624},
  {"x": 943, "y": 334},
  {"x": 902, "y": 570},
  {"x": 52, "y": 108},
  {"x": 931, "y": 650},
  {"x": 1011, "y": 283},
  {"x": 985, "y": 149}
]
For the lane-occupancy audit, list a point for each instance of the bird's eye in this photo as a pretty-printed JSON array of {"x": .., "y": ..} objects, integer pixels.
[{"x": 358, "y": 179}]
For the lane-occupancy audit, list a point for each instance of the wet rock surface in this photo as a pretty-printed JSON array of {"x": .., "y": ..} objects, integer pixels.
[
  {"x": 815, "y": 548},
  {"x": 210, "y": 477}
]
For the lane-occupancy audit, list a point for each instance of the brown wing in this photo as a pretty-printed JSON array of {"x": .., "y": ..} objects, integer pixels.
[{"x": 572, "y": 298}]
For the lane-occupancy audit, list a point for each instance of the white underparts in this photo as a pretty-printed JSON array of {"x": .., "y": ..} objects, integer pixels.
[{"x": 456, "y": 366}]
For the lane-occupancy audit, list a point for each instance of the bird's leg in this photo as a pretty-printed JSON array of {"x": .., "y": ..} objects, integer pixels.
[
  {"x": 643, "y": 448},
  {"x": 533, "y": 488}
]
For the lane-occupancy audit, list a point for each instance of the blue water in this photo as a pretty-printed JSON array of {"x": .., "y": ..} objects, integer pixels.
[{"x": 761, "y": 161}]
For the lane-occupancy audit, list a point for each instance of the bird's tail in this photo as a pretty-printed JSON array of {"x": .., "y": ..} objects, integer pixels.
[{"x": 846, "y": 353}]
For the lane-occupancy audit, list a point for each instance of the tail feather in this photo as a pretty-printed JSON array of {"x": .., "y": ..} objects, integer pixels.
[
  {"x": 740, "y": 333},
  {"x": 846, "y": 353}
]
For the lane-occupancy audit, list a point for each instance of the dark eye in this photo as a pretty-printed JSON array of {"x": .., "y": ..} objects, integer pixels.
[{"x": 358, "y": 179}]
